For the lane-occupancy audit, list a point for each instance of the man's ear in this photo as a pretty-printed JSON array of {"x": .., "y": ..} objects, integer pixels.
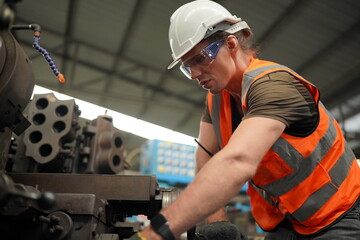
[{"x": 232, "y": 43}]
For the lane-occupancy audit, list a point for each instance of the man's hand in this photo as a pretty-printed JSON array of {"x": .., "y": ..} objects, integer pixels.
[{"x": 222, "y": 230}]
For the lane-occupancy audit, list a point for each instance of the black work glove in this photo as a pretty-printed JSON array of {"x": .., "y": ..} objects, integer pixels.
[{"x": 222, "y": 230}]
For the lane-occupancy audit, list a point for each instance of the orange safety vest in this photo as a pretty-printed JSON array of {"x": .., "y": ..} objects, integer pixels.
[{"x": 310, "y": 180}]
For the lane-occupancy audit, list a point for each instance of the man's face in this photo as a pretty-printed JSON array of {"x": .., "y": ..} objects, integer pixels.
[{"x": 213, "y": 76}]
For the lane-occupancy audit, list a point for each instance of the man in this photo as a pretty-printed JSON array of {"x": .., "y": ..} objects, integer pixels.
[{"x": 265, "y": 125}]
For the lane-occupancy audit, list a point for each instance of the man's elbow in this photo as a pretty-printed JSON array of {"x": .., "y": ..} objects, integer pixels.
[{"x": 244, "y": 166}]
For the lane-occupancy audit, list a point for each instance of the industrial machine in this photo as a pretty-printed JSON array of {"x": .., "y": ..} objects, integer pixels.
[{"x": 60, "y": 180}]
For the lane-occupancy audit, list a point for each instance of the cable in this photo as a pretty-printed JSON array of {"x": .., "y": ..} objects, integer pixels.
[{"x": 209, "y": 153}]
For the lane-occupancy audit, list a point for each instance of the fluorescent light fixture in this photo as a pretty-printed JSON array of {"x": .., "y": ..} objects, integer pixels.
[{"x": 123, "y": 122}]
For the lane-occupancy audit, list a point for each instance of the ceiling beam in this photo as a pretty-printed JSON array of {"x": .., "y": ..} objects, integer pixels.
[
  {"x": 152, "y": 95},
  {"x": 341, "y": 39},
  {"x": 284, "y": 19},
  {"x": 342, "y": 94},
  {"x": 69, "y": 32},
  {"x": 128, "y": 35},
  {"x": 74, "y": 59}
]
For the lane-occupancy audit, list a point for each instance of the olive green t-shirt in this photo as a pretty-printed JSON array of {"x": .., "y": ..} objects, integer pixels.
[{"x": 278, "y": 96}]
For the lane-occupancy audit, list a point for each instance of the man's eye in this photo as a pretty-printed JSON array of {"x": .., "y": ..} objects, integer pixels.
[{"x": 199, "y": 59}]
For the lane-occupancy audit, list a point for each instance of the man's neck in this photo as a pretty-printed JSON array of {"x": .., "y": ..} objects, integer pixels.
[{"x": 235, "y": 83}]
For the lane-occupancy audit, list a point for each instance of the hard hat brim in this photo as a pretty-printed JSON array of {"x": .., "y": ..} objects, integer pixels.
[{"x": 171, "y": 65}]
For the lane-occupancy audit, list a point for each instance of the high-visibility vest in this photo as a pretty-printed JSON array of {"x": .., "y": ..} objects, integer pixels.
[{"x": 309, "y": 180}]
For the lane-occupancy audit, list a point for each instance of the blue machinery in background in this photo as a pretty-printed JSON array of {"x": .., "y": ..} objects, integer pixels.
[{"x": 172, "y": 163}]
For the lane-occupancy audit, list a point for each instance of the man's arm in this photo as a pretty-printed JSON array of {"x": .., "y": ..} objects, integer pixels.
[{"x": 221, "y": 178}]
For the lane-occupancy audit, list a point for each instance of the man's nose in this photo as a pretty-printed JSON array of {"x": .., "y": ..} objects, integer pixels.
[{"x": 195, "y": 73}]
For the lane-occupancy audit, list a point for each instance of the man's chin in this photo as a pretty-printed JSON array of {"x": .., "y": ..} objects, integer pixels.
[{"x": 213, "y": 91}]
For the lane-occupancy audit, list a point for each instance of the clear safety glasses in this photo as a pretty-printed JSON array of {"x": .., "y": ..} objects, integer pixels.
[{"x": 204, "y": 58}]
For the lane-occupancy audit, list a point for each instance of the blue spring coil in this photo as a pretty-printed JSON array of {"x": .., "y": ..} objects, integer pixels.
[{"x": 47, "y": 57}]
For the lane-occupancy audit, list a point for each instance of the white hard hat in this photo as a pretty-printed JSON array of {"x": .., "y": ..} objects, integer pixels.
[{"x": 197, "y": 20}]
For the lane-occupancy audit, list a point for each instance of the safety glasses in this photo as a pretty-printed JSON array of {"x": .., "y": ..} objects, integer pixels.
[{"x": 204, "y": 58}]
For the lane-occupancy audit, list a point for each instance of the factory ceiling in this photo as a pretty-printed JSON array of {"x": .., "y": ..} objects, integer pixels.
[{"x": 115, "y": 53}]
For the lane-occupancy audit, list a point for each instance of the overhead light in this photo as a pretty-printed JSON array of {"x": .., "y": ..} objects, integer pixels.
[{"x": 124, "y": 122}]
